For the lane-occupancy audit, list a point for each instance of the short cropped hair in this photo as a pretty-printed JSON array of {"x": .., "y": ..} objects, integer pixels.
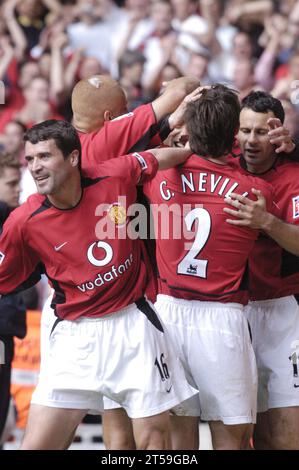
[
  {"x": 62, "y": 132},
  {"x": 262, "y": 102},
  {"x": 213, "y": 121}
]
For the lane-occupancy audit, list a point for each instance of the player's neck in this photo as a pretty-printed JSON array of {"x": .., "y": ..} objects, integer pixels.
[
  {"x": 87, "y": 126},
  {"x": 68, "y": 196},
  {"x": 219, "y": 161},
  {"x": 261, "y": 168}
]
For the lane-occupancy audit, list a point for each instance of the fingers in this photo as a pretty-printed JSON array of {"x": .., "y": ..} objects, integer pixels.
[
  {"x": 233, "y": 212},
  {"x": 242, "y": 219},
  {"x": 274, "y": 123},
  {"x": 240, "y": 223},
  {"x": 238, "y": 197},
  {"x": 258, "y": 194},
  {"x": 278, "y": 135},
  {"x": 196, "y": 94}
]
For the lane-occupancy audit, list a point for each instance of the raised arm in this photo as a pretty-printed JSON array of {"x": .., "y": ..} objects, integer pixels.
[
  {"x": 173, "y": 95},
  {"x": 7, "y": 55},
  {"x": 14, "y": 28}
]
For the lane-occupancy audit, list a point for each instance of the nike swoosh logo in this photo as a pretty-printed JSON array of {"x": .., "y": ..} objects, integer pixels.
[
  {"x": 57, "y": 248},
  {"x": 296, "y": 386},
  {"x": 169, "y": 389}
]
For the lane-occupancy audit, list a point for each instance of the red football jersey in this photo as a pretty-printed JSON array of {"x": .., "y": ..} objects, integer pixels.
[
  {"x": 202, "y": 257},
  {"x": 132, "y": 132},
  {"x": 92, "y": 275},
  {"x": 274, "y": 272}
]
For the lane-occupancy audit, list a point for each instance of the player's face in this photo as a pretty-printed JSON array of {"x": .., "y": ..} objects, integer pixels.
[
  {"x": 49, "y": 169},
  {"x": 254, "y": 142},
  {"x": 10, "y": 186}
]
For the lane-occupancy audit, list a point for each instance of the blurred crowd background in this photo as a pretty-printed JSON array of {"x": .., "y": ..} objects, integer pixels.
[{"x": 46, "y": 46}]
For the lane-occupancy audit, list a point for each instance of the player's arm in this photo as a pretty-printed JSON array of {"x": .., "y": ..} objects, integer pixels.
[
  {"x": 140, "y": 167},
  {"x": 174, "y": 93},
  {"x": 175, "y": 120},
  {"x": 17, "y": 262},
  {"x": 254, "y": 214},
  {"x": 169, "y": 157}
]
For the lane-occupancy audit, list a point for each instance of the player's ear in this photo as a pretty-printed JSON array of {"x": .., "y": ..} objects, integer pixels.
[
  {"x": 107, "y": 115},
  {"x": 74, "y": 158}
]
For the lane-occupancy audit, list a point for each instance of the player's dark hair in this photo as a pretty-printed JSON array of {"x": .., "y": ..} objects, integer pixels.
[
  {"x": 8, "y": 160},
  {"x": 213, "y": 121},
  {"x": 62, "y": 132},
  {"x": 262, "y": 102}
]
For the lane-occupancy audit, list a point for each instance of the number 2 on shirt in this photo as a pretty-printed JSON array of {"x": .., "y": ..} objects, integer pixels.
[{"x": 190, "y": 265}]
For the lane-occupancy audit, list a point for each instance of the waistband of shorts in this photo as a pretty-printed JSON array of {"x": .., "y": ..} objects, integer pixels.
[
  {"x": 199, "y": 303},
  {"x": 125, "y": 310},
  {"x": 270, "y": 302}
]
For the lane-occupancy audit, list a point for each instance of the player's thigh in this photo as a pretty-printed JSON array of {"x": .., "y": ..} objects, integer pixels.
[
  {"x": 117, "y": 430},
  {"x": 50, "y": 428},
  {"x": 228, "y": 437}
]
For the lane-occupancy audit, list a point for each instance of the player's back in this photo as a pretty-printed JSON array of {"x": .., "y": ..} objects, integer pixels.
[{"x": 202, "y": 257}]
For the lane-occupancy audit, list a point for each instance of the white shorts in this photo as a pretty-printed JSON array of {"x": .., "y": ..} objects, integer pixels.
[
  {"x": 275, "y": 336},
  {"x": 214, "y": 344},
  {"x": 48, "y": 319},
  {"x": 124, "y": 356}
]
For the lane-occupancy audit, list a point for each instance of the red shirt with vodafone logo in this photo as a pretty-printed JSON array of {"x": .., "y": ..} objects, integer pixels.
[{"x": 92, "y": 274}]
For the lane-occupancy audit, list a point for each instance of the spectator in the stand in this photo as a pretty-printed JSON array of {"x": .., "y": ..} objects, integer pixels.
[
  {"x": 243, "y": 78},
  {"x": 130, "y": 70},
  {"x": 198, "y": 67},
  {"x": 285, "y": 86},
  {"x": 88, "y": 67},
  {"x": 12, "y": 309},
  {"x": 169, "y": 72},
  {"x": 27, "y": 72},
  {"x": 25, "y": 21},
  {"x": 37, "y": 106},
  {"x": 25, "y": 366},
  {"x": 92, "y": 32},
  {"x": 133, "y": 30},
  {"x": 23, "y": 75},
  {"x": 160, "y": 46},
  {"x": 222, "y": 68},
  {"x": 186, "y": 17},
  {"x": 13, "y": 139}
]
